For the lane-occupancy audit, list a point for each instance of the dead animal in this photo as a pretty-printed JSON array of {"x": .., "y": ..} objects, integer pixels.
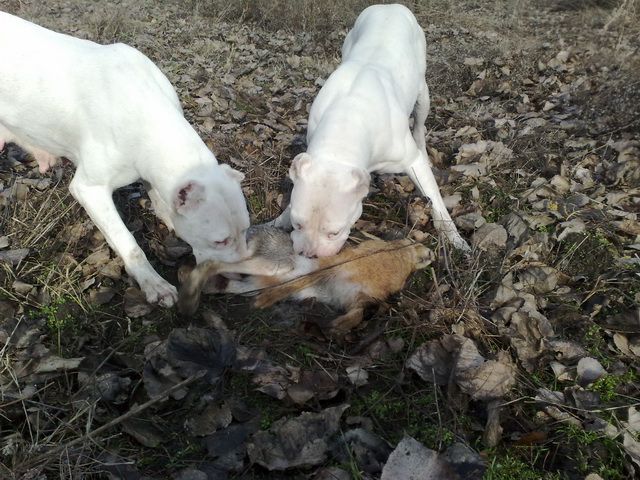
[{"x": 358, "y": 276}]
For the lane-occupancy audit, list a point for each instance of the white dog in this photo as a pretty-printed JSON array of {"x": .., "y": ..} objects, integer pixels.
[
  {"x": 112, "y": 112},
  {"x": 359, "y": 123}
]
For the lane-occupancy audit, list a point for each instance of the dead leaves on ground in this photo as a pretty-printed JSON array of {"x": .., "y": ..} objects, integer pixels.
[
  {"x": 456, "y": 359},
  {"x": 540, "y": 165}
]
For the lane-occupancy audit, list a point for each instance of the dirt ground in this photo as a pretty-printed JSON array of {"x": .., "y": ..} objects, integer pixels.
[{"x": 521, "y": 362}]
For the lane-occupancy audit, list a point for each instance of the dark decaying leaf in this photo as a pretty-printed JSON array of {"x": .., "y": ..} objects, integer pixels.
[
  {"x": 228, "y": 447},
  {"x": 369, "y": 451},
  {"x": 465, "y": 462},
  {"x": 191, "y": 474},
  {"x": 190, "y": 351},
  {"x": 297, "y": 442},
  {"x": 332, "y": 473},
  {"x": 158, "y": 374},
  {"x": 456, "y": 358},
  {"x": 108, "y": 386},
  {"x": 14, "y": 257},
  {"x": 118, "y": 468},
  {"x": 144, "y": 431},
  {"x": 212, "y": 418},
  {"x": 135, "y": 303},
  {"x": 298, "y": 385}
]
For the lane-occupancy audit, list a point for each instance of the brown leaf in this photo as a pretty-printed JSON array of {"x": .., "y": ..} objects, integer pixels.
[
  {"x": 135, "y": 303},
  {"x": 296, "y": 442}
]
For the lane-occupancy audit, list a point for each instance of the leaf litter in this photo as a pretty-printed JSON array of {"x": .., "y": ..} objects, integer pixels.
[{"x": 537, "y": 153}]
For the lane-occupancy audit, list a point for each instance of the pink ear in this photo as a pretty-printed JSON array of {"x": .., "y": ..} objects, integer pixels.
[
  {"x": 361, "y": 180},
  {"x": 233, "y": 174},
  {"x": 299, "y": 165},
  {"x": 189, "y": 196}
]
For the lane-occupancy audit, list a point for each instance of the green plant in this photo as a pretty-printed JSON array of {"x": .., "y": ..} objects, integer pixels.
[
  {"x": 595, "y": 342},
  {"x": 606, "y": 386},
  {"x": 596, "y": 452},
  {"x": 509, "y": 466},
  {"x": 495, "y": 202},
  {"x": 58, "y": 319}
]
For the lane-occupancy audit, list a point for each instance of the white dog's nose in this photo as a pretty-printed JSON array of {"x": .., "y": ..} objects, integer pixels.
[{"x": 307, "y": 252}]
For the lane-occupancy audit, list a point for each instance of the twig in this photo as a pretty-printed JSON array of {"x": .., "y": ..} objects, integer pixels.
[
  {"x": 121, "y": 418},
  {"x": 435, "y": 395}
]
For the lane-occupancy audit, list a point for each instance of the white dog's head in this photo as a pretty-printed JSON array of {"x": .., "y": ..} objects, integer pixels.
[
  {"x": 210, "y": 214},
  {"x": 326, "y": 201}
]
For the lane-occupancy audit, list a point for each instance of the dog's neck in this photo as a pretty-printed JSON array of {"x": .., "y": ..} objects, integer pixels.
[
  {"x": 184, "y": 157},
  {"x": 341, "y": 139}
]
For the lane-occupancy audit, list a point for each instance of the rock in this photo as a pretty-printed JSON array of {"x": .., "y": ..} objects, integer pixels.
[{"x": 589, "y": 370}]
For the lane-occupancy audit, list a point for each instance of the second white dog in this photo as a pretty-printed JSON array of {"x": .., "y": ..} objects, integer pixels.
[
  {"x": 359, "y": 123},
  {"x": 112, "y": 112}
]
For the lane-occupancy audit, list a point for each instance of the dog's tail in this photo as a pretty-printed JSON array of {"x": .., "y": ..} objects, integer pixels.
[{"x": 191, "y": 289}]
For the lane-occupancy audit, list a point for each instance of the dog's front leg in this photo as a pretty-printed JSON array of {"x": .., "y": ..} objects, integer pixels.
[
  {"x": 98, "y": 202},
  {"x": 420, "y": 172}
]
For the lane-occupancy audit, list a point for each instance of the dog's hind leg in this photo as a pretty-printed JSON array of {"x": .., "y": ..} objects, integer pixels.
[
  {"x": 5, "y": 137},
  {"x": 420, "y": 114},
  {"x": 419, "y": 170}
]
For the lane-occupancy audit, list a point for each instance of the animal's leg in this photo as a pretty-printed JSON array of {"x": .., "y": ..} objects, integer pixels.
[
  {"x": 5, "y": 137},
  {"x": 420, "y": 172},
  {"x": 45, "y": 159},
  {"x": 193, "y": 286},
  {"x": 160, "y": 207},
  {"x": 420, "y": 113},
  {"x": 257, "y": 266},
  {"x": 98, "y": 202},
  {"x": 340, "y": 326},
  {"x": 241, "y": 286}
]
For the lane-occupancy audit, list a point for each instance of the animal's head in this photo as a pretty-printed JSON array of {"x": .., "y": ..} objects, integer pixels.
[
  {"x": 210, "y": 214},
  {"x": 422, "y": 256},
  {"x": 326, "y": 201}
]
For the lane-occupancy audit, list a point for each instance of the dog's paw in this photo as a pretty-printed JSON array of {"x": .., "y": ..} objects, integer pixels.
[{"x": 161, "y": 292}]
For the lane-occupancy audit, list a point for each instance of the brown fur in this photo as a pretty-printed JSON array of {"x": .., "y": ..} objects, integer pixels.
[{"x": 355, "y": 278}]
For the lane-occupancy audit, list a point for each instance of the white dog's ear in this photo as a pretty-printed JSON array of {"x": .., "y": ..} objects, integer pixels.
[
  {"x": 188, "y": 196},
  {"x": 298, "y": 166},
  {"x": 358, "y": 182},
  {"x": 232, "y": 173}
]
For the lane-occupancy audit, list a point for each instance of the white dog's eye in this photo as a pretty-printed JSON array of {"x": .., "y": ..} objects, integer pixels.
[
  {"x": 297, "y": 226},
  {"x": 223, "y": 243},
  {"x": 333, "y": 234}
]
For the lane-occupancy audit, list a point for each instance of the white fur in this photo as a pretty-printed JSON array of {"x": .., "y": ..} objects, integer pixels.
[
  {"x": 112, "y": 112},
  {"x": 358, "y": 124}
]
